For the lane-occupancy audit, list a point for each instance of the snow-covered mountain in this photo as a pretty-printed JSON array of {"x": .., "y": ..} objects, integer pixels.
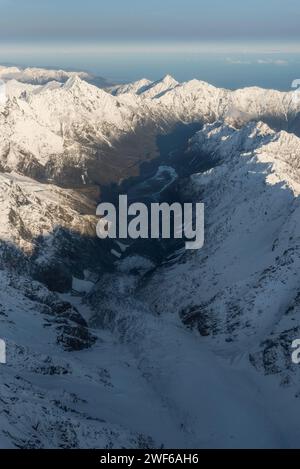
[
  {"x": 241, "y": 291},
  {"x": 41, "y": 76},
  {"x": 163, "y": 347},
  {"x": 76, "y": 133},
  {"x": 137, "y": 87},
  {"x": 158, "y": 88},
  {"x": 145, "y": 87}
]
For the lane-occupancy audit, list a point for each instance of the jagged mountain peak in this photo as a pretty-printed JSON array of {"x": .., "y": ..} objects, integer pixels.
[
  {"x": 279, "y": 152},
  {"x": 158, "y": 88},
  {"x": 75, "y": 82},
  {"x": 75, "y": 93},
  {"x": 136, "y": 87},
  {"x": 169, "y": 80}
]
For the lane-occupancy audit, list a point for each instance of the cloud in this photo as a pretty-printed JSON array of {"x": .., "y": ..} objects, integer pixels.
[
  {"x": 238, "y": 62},
  {"x": 278, "y": 62},
  {"x": 272, "y": 62}
]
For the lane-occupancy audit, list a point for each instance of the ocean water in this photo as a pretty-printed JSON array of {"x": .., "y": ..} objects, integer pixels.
[{"x": 275, "y": 70}]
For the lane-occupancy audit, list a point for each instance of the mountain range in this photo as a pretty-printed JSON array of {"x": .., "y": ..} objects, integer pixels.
[{"x": 143, "y": 344}]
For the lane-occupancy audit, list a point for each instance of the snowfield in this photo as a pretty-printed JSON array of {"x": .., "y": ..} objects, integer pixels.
[{"x": 128, "y": 345}]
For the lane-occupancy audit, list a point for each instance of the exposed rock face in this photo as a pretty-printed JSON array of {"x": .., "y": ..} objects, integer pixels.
[{"x": 54, "y": 275}]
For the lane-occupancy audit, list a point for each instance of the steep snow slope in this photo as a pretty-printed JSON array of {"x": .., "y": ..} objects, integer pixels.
[
  {"x": 137, "y": 87},
  {"x": 30, "y": 210},
  {"x": 145, "y": 87},
  {"x": 69, "y": 133},
  {"x": 16, "y": 88},
  {"x": 252, "y": 190},
  {"x": 84, "y": 101},
  {"x": 56, "y": 392},
  {"x": 64, "y": 385},
  {"x": 158, "y": 88},
  {"x": 237, "y": 107},
  {"x": 211, "y": 403},
  {"x": 48, "y": 231},
  {"x": 245, "y": 280},
  {"x": 26, "y": 144},
  {"x": 231, "y": 381}
]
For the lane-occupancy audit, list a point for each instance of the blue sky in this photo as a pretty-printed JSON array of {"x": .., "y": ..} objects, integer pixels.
[{"x": 155, "y": 20}]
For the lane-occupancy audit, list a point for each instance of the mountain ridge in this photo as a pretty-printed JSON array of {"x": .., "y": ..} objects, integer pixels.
[{"x": 103, "y": 347}]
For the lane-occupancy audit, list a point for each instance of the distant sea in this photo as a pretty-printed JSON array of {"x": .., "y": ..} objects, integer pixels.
[{"x": 275, "y": 70}]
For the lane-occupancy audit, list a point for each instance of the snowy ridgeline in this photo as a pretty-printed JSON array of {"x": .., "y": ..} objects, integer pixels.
[
  {"x": 70, "y": 132},
  {"x": 191, "y": 352}
]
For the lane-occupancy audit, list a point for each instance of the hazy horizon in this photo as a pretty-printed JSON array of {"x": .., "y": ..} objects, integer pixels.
[
  {"x": 229, "y": 44},
  {"x": 232, "y": 67}
]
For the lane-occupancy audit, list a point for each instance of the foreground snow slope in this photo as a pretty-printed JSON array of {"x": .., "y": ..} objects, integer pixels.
[
  {"x": 58, "y": 393},
  {"x": 211, "y": 403}
]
